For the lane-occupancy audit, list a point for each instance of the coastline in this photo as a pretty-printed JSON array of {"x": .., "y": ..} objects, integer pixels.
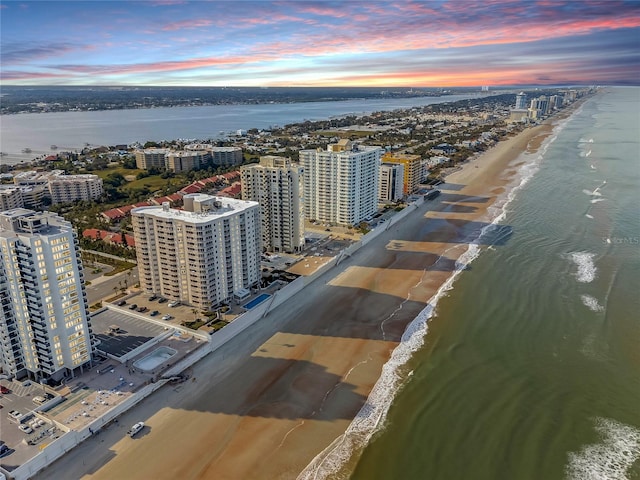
[{"x": 296, "y": 381}]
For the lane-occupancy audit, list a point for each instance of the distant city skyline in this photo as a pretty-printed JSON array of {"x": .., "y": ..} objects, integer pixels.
[{"x": 303, "y": 43}]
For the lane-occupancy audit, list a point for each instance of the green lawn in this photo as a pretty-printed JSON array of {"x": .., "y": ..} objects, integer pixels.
[{"x": 121, "y": 170}]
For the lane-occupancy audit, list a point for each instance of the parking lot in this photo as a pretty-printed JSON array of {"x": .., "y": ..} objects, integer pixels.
[
  {"x": 121, "y": 331},
  {"x": 17, "y": 408}
]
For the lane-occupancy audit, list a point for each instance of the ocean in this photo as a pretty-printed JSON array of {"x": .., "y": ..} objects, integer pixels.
[
  {"x": 526, "y": 365},
  {"x": 71, "y": 131}
]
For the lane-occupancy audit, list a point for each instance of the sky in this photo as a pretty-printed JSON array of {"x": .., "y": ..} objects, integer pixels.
[{"x": 403, "y": 43}]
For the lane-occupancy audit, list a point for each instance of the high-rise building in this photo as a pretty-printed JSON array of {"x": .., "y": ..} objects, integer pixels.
[
  {"x": 412, "y": 169},
  {"x": 45, "y": 331},
  {"x": 521, "y": 101},
  {"x": 341, "y": 183},
  {"x": 391, "y": 181},
  {"x": 276, "y": 184},
  {"x": 202, "y": 255}
]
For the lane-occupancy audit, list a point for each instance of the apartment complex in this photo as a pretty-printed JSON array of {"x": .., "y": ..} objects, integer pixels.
[
  {"x": 10, "y": 197},
  {"x": 413, "y": 171},
  {"x": 184, "y": 161},
  {"x": 341, "y": 183},
  {"x": 69, "y": 188},
  {"x": 151, "y": 157},
  {"x": 59, "y": 187},
  {"x": 202, "y": 255},
  {"x": 276, "y": 184},
  {"x": 391, "y": 182},
  {"x": 45, "y": 331}
]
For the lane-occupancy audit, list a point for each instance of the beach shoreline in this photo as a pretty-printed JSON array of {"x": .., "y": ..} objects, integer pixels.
[{"x": 267, "y": 403}]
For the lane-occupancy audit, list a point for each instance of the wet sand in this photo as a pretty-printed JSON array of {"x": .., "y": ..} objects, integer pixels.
[{"x": 267, "y": 403}]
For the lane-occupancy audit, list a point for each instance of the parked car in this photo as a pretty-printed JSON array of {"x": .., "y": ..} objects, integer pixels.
[
  {"x": 135, "y": 429},
  {"x": 25, "y": 428},
  {"x": 4, "y": 450},
  {"x": 121, "y": 303},
  {"x": 4, "y": 389},
  {"x": 133, "y": 306},
  {"x": 167, "y": 317},
  {"x": 153, "y": 313},
  {"x": 162, "y": 300},
  {"x": 174, "y": 303},
  {"x": 38, "y": 400},
  {"x": 153, "y": 297},
  {"x": 15, "y": 414},
  {"x": 142, "y": 309}
]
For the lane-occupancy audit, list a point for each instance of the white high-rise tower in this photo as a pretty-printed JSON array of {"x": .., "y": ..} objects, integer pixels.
[
  {"x": 341, "y": 183},
  {"x": 521, "y": 101},
  {"x": 44, "y": 325}
]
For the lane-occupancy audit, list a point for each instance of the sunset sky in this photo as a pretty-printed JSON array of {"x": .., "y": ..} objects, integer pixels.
[{"x": 317, "y": 43}]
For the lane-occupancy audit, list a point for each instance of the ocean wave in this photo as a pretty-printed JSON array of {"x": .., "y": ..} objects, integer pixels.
[
  {"x": 596, "y": 200},
  {"x": 609, "y": 460},
  {"x": 591, "y": 303},
  {"x": 586, "y": 267},
  {"x": 594, "y": 193},
  {"x": 371, "y": 417}
]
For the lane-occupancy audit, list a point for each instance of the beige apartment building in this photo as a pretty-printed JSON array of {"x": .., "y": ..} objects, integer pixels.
[
  {"x": 276, "y": 184},
  {"x": 60, "y": 187},
  {"x": 202, "y": 255},
  {"x": 184, "y": 161},
  {"x": 70, "y": 188},
  {"x": 151, "y": 157},
  {"x": 10, "y": 197}
]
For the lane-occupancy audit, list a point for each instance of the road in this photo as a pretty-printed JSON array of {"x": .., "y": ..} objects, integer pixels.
[{"x": 103, "y": 287}]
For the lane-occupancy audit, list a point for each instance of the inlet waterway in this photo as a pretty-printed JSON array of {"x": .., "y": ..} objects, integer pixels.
[{"x": 72, "y": 131}]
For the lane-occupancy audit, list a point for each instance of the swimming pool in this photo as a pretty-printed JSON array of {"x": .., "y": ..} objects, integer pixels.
[
  {"x": 155, "y": 358},
  {"x": 256, "y": 301}
]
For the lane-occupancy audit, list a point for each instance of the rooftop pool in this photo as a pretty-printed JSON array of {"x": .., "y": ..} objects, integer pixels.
[
  {"x": 155, "y": 358},
  {"x": 256, "y": 301}
]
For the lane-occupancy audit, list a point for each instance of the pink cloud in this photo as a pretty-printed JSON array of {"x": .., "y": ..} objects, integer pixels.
[{"x": 188, "y": 24}]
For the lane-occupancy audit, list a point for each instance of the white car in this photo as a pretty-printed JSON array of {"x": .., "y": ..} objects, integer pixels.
[
  {"x": 135, "y": 429},
  {"x": 26, "y": 428},
  {"x": 167, "y": 317},
  {"x": 175, "y": 303}
]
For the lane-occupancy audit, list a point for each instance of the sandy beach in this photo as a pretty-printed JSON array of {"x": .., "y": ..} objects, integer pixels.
[{"x": 267, "y": 403}]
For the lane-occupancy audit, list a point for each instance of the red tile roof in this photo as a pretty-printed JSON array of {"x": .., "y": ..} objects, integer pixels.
[{"x": 108, "y": 237}]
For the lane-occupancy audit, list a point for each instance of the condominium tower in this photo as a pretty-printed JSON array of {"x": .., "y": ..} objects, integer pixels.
[
  {"x": 202, "y": 255},
  {"x": 413, "y": 171},
  {"x": 521, "y": 101},
  {"x": 341, "y": 183},
  {"x": 45, "y": 331},
  {"x": 276, "y": 184},
  {"x": 391, "y": 181}
]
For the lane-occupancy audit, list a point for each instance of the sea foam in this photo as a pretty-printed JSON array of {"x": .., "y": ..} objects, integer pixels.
[
  {"x": 371, "y": 417},
  {"x": 609, "y": 460},
  {"x": 586, "y": 272},
  {"x": 591, "y": 303}
]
